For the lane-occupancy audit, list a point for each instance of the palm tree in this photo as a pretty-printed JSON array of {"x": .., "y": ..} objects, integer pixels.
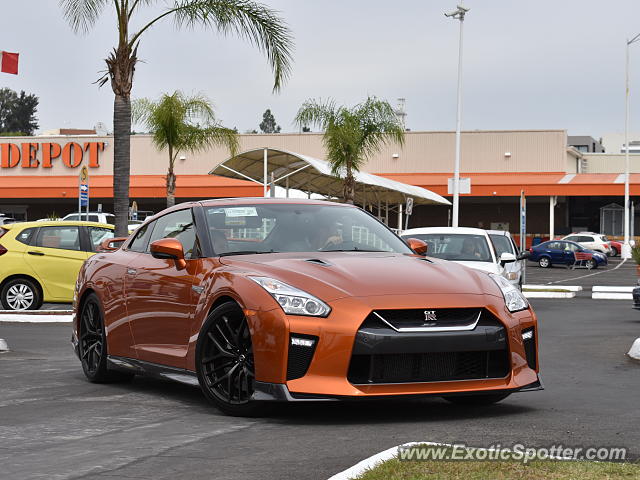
[
  {"x": 182, "y": 124},
  {"x": 351, "y": 135},
  {"x": 247, "y": 19}
]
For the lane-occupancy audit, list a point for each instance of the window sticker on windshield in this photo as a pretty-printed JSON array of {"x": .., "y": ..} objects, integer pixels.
[{"x": 241, "y": 212}]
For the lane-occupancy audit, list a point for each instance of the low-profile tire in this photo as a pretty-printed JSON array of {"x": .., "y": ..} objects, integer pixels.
[
  {"x": 21, "y": 294},
  {"x": 224, "y": 362},
  {"x": 477, "y": 400},
  {"x": 544, "y": 262},
  {"x": 591, "y": 264},
  {"x": 92, "y": 344},
  {"x": 614, "y": 252}
]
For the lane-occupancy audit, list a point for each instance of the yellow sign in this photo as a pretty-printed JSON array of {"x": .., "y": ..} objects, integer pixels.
[{"x": 84, "y": 174}]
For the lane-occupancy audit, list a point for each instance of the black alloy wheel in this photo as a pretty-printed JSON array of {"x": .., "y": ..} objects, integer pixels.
[
  {"x": 477, "y": 400},
  {"x": 224, "y": 361},
  {"x": 93, "y": 344}
]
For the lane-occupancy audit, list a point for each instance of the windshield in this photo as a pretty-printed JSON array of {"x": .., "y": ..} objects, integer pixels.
[
  {"x": 267, "y": 228},
  {"x": 456, "y": 246},
  {"x": 502, "y": 244}
]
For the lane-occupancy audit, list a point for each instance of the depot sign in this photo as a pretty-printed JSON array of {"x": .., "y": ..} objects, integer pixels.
[{"x": 44, "y": 155}]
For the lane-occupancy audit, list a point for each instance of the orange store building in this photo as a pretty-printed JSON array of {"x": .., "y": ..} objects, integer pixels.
[{"x": 39, "y": 176}]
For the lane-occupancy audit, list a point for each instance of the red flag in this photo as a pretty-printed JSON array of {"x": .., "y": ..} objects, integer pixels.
[{"x": 9, "y": 62}]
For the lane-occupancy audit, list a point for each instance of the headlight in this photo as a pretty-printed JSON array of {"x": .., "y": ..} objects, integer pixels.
[
  {"x": 293, "y": 300},
  {"x": 512, "y": 276},
  {"x": 513, "y": 298}
]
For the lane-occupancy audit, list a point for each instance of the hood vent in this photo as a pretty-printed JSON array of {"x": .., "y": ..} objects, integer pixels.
[{"x": 317, "y": 261}]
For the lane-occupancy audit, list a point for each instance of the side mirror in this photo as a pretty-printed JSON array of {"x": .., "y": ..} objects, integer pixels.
[
  {"x": 507, "y": 258},
  {"x": 108, "y": 245},
  {"x": 417, "y": 245},
  {"x": 169, "y": 248},
  {"x": 524, "y": 255}
]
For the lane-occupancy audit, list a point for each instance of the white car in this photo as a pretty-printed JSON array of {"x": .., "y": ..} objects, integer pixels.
[
  {"x": 101, "y": 217},
  {"x": 471, "y": 247},
  {"x": 503, "y": 242},
  {"x": 592, "y": 241}
]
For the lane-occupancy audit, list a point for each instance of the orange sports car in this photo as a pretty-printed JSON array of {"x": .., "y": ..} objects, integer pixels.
[{"x": 259, "y": 300}]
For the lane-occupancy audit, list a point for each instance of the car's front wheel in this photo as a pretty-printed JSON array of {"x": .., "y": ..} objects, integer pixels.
[
  {"x": 477, "y": 400},
  {"x": 92, "y": 344},
  {"x": 591, "y": 263},
  {"x": 614, "y": 252},
  {"x": 224, "y": 361},
  {"x": 21, "y": 294},
  {"x": 544, "y": 262}
]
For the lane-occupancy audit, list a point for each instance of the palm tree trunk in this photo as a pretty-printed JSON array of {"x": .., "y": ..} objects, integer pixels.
[
  {"x": 171, "y": 181},
  {"x": 121, "y": 165},
  {"x": 349, "y": 191}
]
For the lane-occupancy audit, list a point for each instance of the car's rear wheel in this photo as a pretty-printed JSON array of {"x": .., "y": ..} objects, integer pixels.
[
  {"x": 92, "y": 344},
  {"x": 544, "y": 262},
  {"x": 477, "y": 400},
  {"x": 614, "y": 252},
  {"x": 224, "y": 361},
  {"x": 21, "y": 294}
]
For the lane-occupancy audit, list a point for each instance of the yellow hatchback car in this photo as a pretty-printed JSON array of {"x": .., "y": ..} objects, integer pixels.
[{"x": 39, "y": 261}]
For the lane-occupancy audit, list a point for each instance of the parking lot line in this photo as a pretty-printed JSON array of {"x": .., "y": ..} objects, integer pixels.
[{"x": 589, "y": 274}]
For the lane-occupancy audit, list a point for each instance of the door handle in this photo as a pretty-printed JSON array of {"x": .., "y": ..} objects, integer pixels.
[
  {"x": 131, "y": 271},
  {"x": 33, "y": 252}
]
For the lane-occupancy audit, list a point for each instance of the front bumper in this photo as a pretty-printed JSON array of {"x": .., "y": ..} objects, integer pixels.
[
  {"x": 340, "y": 337},
  {"x": 278, "y": 392}
]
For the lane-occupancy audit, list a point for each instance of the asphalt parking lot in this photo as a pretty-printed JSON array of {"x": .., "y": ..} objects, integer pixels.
[{"x": 56, "y": 425}]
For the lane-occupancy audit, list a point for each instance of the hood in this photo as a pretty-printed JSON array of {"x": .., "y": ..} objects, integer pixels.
[
  {"x": 489, "y": 267},
  {"x": 333, "y": 275}
]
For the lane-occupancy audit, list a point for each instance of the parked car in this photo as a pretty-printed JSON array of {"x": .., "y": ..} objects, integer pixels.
[
  {"x": 562, "y": 252},
  {"x": 101, "y": 217},
  {"x": 636, "y": 297},
  {"x": 616, "y": 247},
  {"x": 503, "y": 243},
  {"x": 293, "y": 300},
  {"x": 590, "y": 240},
  {"x": 4, "y": 220},
  {"x": 471, "y": 247},
  {"x": 39, "y": 261}
]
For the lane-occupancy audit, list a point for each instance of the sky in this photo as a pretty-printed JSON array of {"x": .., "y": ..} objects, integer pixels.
[{"x": 543, "y": 64}]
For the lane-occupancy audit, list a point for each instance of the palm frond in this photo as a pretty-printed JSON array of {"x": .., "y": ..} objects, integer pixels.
[
  {"x": 247, "y": 19},
  {"x": 83, "y": 14},
  {"x": 316, "y": 112}
]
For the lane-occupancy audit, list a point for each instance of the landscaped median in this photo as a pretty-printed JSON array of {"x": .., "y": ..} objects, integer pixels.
[
  {"x": 426, "y": 461},
  {"x": 550, "y": 291}
]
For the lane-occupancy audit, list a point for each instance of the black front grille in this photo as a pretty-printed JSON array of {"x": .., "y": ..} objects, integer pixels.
[
  {"x": 416, "y": 318},
  {"x": 428, "y": 367},
  {"x": 300, "y": 357},
  {"x": 530, "y": 348}
]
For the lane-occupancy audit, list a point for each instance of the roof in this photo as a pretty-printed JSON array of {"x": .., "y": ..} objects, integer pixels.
[
  {"x": 510, "y": 184},
  {"x": 142, "y": 186},
  {"x": 55, "y": 223},
  {"x": 458, "y": 230},
  {"x": 314, "y": 175}
]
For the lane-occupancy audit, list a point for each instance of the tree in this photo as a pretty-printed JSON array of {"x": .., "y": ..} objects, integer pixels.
[
  {"x": 268, "y": 124},
  {"x": 18, "y": 112},
  {"x": 351, "y": 135},
  {"x": 245, "y": 18},
  {"x": 182, "y": 124}
]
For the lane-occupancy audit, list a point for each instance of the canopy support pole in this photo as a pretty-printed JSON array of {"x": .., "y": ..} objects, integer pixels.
[
  {"x": 386, "y": 214},
  {"x": 400, "y": 206},
  {"x": 264, "y": 177},
  {"x": 287, "y": 186}
]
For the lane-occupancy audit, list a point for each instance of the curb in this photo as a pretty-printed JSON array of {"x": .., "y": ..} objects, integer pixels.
[
  {"x": 635, "y": 350},
  {"x": 555, "y": 288},
  {"x": 373, "y": 461},
  {"x": 612, "y": 289},
  {"x": 611, "y": 296},
  {"x": 4, "y": 347},
  {"x": 36, "y": 312},
  {"x": 49, "y": 318}
]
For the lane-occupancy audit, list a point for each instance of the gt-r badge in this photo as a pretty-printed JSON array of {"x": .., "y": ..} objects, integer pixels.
[{"x": 430, "y": 317}]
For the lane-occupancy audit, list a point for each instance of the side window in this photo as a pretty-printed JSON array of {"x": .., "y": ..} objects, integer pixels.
[
  {"x": 97, "y": 235},
  {"x": 573, "y": 238},
  {"x": 178, "y": 225},
  {"x": 139, "y": 243},
  {"x": 71, "y": 218},
  {"x": 586, "y": 239},
  {"x": 64, "y": 238},
  {"x": 26, "y": 236},
  {"x": 94, "y": 218},
  {"x": 555, "y": 246}
]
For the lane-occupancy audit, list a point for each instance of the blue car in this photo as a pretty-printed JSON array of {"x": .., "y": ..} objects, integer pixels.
[{"x": 561, "y": 252}]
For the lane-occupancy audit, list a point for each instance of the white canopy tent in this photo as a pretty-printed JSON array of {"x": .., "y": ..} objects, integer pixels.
[{"x": 270, "y": 167}]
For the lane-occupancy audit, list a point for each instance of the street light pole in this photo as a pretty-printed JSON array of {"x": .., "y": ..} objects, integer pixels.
[
  {"x": 626, "y": 247},
  {"x": 458, "y": 14}
]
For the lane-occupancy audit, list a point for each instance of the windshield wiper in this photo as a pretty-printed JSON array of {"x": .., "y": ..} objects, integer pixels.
[
  {"x": 351, "y": 250},
  {"x": 245, "y": 252}
]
